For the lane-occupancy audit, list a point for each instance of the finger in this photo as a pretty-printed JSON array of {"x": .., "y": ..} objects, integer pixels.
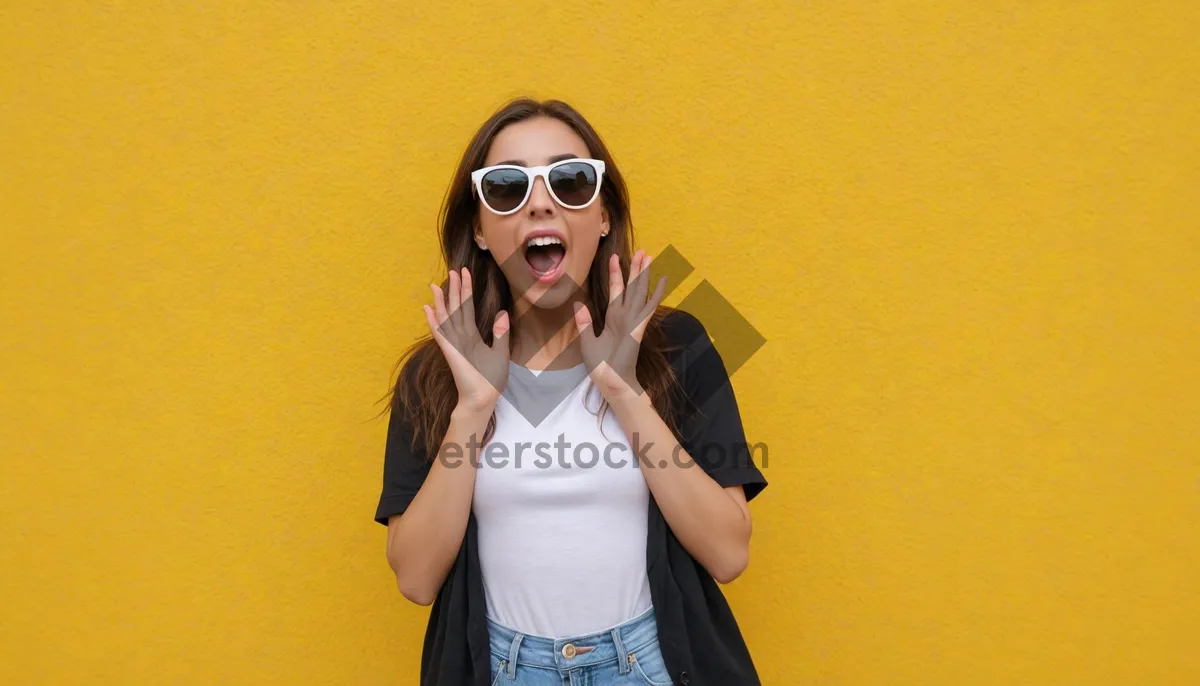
[
  {"x": 500, "y": 329},
  {"x": 635, "y": 267},
  {"x": 651, "y": 306},
  {"x": 656, "y": 299},
  {"x": 455, "y": 295},
  {"x": 434, "y": 327},
  {"x": 641, "y": 283},
  {"x": 439, "y": 303},
  {"x": 583, "y": 321},
  {"x": 615, "y": 283},
  {"x": 468, "y": 302}
]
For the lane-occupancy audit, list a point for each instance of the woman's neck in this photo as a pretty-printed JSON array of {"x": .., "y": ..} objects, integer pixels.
[{"x": 546, "y": 338}]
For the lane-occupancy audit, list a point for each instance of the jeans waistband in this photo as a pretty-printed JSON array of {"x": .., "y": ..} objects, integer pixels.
[{"x": 516, "y": 648}]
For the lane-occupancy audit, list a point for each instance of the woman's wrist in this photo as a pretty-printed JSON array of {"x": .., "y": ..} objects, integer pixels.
[
  {"x": 472, "y": 411},
  {"x": 615, "y": 387},
  {"x": 628, "y": 397}
]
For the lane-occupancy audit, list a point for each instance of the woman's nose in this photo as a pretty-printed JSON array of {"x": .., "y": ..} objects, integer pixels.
[{"x": 540, "y": 201}]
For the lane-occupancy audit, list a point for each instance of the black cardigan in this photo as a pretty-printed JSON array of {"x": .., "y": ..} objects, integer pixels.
[{"x": 697, "y": 633}]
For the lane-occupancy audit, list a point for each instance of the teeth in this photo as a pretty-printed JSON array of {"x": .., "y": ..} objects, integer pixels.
[{"x": 543, "y": 240}]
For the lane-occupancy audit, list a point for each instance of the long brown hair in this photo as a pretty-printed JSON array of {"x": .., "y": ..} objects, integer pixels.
[{"x": 424, "y": 390}]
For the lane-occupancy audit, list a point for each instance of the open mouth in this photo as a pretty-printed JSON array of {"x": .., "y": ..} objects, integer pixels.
[{"x": 545, "y": 256}]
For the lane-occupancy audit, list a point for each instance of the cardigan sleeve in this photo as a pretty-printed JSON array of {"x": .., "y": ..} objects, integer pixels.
[
  {"x": 711, "y": 421},
  {"x": 404, "y": 466}
]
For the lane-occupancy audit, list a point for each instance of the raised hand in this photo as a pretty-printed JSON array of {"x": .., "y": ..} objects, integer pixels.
[
  {"x": 480, "y": 371},
  {"x": 611, "y": 357}
]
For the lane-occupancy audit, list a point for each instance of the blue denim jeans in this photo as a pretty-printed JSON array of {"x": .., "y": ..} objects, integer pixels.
[{"x": 626, "y": 655}]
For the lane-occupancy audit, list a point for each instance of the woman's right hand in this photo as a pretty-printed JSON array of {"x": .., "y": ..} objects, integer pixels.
[{"x": 480, "y": 371}]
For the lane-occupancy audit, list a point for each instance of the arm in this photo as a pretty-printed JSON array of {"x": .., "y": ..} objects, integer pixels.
[
  {"x": 434, "y": 507},
  {"x": 423, "y": 541},
  {"x": 704, "y": 507},
  {"x": 712, "y": 523}
]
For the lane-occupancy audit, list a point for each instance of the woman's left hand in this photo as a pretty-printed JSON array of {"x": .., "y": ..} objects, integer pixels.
[{"x": 612, "y": 356}]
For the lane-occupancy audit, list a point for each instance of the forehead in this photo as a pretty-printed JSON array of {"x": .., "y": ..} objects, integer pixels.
[{"x": 535, "y": 141}]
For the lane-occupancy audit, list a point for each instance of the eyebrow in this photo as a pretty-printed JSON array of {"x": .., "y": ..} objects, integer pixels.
[{"x": 555, "y": 158}]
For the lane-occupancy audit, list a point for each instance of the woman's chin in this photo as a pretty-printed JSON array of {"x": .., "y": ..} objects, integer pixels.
[{"x": 554, "y": 295}]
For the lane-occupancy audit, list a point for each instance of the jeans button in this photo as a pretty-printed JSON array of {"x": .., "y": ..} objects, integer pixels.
[
  {"x": 568, "y": 651},
  {"x": 684, "y": 678}
]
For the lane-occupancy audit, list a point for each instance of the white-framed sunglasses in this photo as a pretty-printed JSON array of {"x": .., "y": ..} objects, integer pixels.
[{"x": 574, "y": 183}]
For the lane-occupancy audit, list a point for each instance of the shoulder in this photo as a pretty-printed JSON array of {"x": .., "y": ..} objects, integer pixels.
[
  {"x": 690, "y": 351},
  {"x": 681, "y": 328},
  {"x": 709, "y": 417},
  {"x": 696, "y": 363},
  {"x": 682, "y": 337}
]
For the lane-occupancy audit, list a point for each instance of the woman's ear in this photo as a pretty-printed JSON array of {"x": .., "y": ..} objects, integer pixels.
[
  {"x": 604, "y": 222},
  {"x": 479, "y": 238}
]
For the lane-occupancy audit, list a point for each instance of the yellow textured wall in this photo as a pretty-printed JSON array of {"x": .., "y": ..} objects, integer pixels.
[{"x": 969, "y": 231}]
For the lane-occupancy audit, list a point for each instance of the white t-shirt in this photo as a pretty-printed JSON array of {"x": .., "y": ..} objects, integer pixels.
[{"x": 561, "y": 506}]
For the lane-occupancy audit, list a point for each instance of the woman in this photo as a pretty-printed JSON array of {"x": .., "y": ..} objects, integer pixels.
[{"x": 566, "y": 475}]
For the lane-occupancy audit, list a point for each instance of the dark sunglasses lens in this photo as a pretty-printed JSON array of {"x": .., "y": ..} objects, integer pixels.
[
  {"x": 574, "y": 183},
  {"x": 504, "y": 189}
]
